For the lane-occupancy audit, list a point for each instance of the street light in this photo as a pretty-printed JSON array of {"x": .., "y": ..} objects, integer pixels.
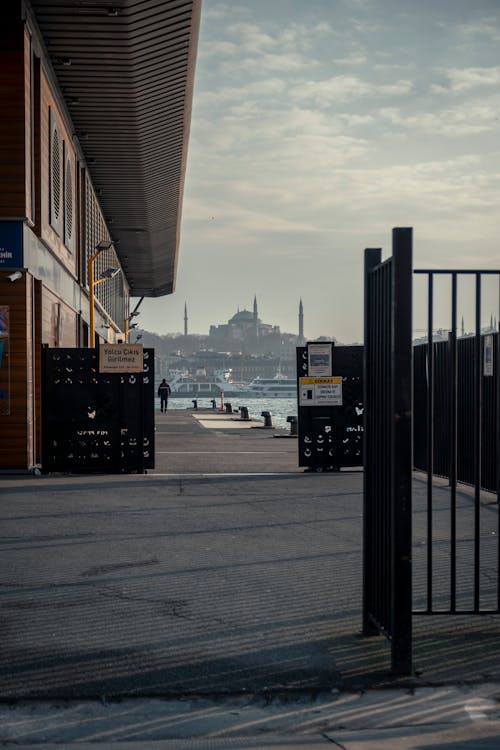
[
  {"x": 109, "y": 273},
  {"x": 126, "y": 323}
]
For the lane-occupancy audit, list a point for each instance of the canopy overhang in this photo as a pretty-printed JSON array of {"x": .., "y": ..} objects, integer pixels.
[{"x": 125, "y": 70}]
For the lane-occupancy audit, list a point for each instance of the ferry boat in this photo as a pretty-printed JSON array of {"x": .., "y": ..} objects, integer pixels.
[
  {"x": 277, "y": 387},
  {"x": 184, "y": 385}
]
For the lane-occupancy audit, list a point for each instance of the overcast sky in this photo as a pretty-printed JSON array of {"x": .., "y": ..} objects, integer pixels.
[{"x": 317, "y": 127}]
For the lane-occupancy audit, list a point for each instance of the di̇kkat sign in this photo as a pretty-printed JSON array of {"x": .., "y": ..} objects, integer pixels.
[
  {"x": 121, "y": 358},
  {"x": 320, "y": 391}
]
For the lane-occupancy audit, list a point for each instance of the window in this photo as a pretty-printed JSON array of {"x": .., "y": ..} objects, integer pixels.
[
  {"x": 55, "y": 175},
  {"x": 68, "y": 205}
]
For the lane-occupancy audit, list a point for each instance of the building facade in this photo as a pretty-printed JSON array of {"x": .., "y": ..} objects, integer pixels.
[{"x": 56, "y": 225}]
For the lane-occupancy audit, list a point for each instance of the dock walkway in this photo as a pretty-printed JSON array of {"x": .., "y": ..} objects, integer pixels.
[{"x": 216, "y": 602}]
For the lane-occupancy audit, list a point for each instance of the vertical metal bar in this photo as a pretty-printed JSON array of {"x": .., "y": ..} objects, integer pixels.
[
  {"x": 453, "y": 443},
  {"x": 477, "y": 444},
  {"x": 430, "y": 431},
  {"x": 497, "y": 447},
  {"x": 372, "y": 259},
  {"x": 401, "y": 451},
  {"x": 497, "y": 441}
]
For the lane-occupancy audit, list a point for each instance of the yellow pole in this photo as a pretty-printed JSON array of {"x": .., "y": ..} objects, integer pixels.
[
  {"x": 125, "y": 331},
  {"x": 90, "y": 268},
  {"x": 92, "y": 283}
]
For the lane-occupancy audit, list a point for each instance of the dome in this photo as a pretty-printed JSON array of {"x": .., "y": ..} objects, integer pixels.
[{"x": 244, "y": 316}]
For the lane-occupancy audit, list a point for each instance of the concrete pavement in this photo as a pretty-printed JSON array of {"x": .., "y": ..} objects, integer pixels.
[{"x": 216, "y": 602}]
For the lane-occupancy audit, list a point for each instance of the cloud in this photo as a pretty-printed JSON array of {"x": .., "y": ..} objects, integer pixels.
[
  {"x": 241, "y": 94},
  {"x": 465, "y": 79},
  {"x": 344, "y": 88},
  {"x": 468, "y": 118},
  {"x": 352, "y": 59},
  {"x": 486, "y": 27}
]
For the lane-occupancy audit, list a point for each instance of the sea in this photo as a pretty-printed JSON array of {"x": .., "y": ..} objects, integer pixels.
[{"x": 280, "y": 408}]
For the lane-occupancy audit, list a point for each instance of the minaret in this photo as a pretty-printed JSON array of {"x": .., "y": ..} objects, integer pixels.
[
  {"x": 301, "y": 321},
  {"x": 185, "y": 319},
  {"x": 255, "y": 316}
]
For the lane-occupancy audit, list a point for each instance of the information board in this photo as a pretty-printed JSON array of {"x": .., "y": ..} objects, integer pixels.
[
  {"x": 121, "y": 358},
  {"x": 320, "y": 391}
]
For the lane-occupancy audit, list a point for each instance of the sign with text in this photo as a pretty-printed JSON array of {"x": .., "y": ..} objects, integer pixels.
[
  {"x": 320, "y": 391},
  {"x": 319, "y": 359},
  {"x": 121, "y": 358},
  {"x": 11, "y": 244}
]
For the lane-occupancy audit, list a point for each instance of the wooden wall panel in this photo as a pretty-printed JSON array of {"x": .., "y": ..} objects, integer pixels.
[
  {"x": 15, "y": 428},
  {"x": 12, "y": 121},
  {"x": 59, "y": 323},
  {"x": 28, "y": 114}
]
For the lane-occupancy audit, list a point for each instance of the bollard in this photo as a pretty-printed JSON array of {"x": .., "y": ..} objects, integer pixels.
[
  {"x": 294, "y": 423},
  {"x": 268, "y": 421},
  {"x": 229, "y": 408},
  {"x": 244, "y": 412},
  {"x": 195, "y": 403},
  {"x": 214, "y": 404}
]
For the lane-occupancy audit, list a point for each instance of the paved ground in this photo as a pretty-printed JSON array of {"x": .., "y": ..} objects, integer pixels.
[{"x": 216, "y": 602}]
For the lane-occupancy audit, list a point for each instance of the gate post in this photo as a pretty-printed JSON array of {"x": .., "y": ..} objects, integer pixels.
[
  {"x": 373, "y": 257},
  {"x": 401, "y": 450},
  {"x": 387, "y": 484}
]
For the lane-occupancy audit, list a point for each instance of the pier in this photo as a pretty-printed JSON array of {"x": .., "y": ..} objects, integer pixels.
[{"x": 225, "y": 583}]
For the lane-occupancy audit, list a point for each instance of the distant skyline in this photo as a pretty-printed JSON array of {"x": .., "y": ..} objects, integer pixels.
[{"x": 317, "y": 127}]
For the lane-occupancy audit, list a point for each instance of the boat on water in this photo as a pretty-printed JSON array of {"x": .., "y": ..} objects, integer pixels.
[
  {"x": 184, "y": 385},
  {"x": 277, "y": 387}
]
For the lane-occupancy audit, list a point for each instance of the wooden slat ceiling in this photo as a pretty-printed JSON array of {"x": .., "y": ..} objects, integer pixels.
[{"x": 126, "y": 69}]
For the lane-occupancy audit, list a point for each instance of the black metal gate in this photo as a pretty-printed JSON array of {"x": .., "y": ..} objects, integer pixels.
[
  {"x": 456, "y": 431},
  {"x": 387, "y": 585},
  {"x": 331, "y": 437},
  {"x": 94, "y": 421},
  {"x": 456, "y": 563}
]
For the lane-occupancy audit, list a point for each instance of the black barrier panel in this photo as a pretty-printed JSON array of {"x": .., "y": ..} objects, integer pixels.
[
  {"x": 94, "y": 421},
  {"x": 331, "y": 436},
  {"x": 441, "y": 415}
]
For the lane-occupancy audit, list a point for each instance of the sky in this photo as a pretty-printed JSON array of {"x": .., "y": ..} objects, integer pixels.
[{"x": 316, "y": 128}]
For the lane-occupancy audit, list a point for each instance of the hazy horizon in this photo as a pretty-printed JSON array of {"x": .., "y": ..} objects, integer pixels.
[{"x": 318, "y": 127}]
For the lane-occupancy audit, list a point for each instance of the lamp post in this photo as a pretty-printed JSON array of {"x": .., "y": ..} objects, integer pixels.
[
  {"x": 107, "y": 274},
  {"x": 126, "y": 323}
]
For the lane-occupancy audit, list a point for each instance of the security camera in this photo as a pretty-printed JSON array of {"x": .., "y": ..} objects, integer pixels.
[{"x": 15, "y": 276}]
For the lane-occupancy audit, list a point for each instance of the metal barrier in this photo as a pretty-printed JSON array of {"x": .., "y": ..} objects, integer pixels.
[
  {"x": 330, "y": 407},
  {"x": 95, "y": 421},
  {"x": 452, "y": 417},
  {"x": 456, "y": 434},
  {"x": 457, "y": 429},
  {"x": 387, "y": 539}
]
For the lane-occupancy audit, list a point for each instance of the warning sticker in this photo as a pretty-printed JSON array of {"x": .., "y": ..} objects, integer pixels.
[{"x": 320, "y": 391}]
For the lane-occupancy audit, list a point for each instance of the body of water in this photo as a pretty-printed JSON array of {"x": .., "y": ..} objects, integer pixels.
[{"x": 280, "y": 408}]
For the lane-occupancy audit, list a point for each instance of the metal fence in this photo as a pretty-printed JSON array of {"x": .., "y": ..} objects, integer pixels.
[
  {"x": 451, "y": 421},
  {"x": 456, "y": 436},
  {"x": 387, "y": 537},
  {"x": 452, "y": 388}
]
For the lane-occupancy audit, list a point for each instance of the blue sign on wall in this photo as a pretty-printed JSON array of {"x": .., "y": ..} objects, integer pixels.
[{"x": 11, "y": 244}]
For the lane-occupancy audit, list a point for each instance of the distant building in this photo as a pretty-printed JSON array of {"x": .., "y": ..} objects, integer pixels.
[{"x": 244, "y": 326}]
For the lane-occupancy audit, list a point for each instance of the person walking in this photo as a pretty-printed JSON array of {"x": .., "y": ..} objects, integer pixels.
[{"x": 164, "y": 391}]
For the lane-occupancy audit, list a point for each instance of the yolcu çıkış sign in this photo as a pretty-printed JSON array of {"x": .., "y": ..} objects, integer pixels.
[{"x": 120, "y": 358}]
